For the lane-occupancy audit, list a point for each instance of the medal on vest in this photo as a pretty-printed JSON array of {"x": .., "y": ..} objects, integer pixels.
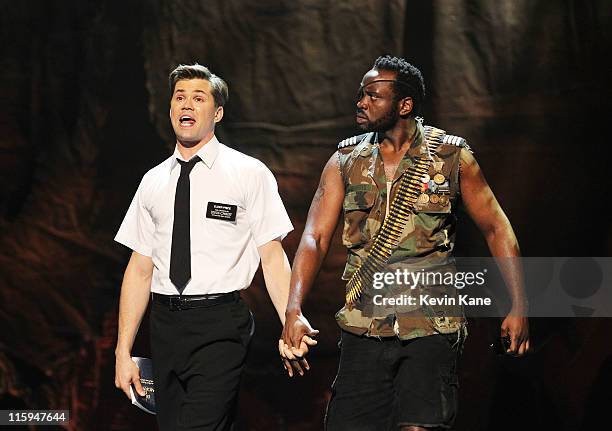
[
  {"x": 425, "y": 178},
  {"x": 443, "y": 200},
  {"x": 439, "y": 179},
  {"x": 434, "y": 199},
  {"x": 423, "y": 198}
]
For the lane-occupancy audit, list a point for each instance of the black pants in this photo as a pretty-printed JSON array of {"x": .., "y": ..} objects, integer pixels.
[
  {"x": 384, "y": 384},
  {"x": 198, "y": 357}
]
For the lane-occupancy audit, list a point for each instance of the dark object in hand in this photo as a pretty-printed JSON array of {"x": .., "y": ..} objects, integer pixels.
[
  {"x": 147, "y": 402},
  {"x": 501, "y": 346}
]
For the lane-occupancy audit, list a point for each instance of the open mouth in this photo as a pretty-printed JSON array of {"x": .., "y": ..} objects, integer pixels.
[{"x": 186, "y": 121}]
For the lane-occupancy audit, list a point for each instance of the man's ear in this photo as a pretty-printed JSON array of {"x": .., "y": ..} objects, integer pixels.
[
  {"x": 406, "y": 105},
  {"x": 218, "y": 114}
]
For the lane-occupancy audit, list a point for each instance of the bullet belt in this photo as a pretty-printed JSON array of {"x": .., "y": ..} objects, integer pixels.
[{"x": 186, "y": 302}]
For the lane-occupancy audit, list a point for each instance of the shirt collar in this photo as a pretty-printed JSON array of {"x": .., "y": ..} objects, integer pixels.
[
  {"x": 208, "y": 153},
  {"x": 418, "y": 147}
]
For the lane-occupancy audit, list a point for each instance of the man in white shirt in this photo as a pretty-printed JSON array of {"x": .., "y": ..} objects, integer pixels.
[{"x": 198, "y": 226}]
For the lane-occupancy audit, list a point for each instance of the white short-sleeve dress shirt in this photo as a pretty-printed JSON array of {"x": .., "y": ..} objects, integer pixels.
[{"x": 235, "y": 208}]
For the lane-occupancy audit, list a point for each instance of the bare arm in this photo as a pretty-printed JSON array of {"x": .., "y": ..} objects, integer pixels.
[
  {"x": 277, "y": 272},
  {"x": 314, "y": 245},
  {"x": 486, "y": 212},
  {"x": 135, "y": 292},
  {"x": 318, "y": 232}
]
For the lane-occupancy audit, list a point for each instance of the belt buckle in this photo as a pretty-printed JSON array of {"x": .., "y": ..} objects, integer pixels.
[{"x": 176, "y": 303}]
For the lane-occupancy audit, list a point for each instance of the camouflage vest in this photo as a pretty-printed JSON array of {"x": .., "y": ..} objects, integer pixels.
[{"x": 426, "y": 242}]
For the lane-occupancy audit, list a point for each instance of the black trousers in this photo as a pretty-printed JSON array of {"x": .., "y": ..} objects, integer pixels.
[
  {"x": 384, "y": 384},
  {"x": 198, "y": 356}
]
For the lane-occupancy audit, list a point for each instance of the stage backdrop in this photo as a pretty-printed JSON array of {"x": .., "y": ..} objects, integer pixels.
[{"x": 84, "y": 114}]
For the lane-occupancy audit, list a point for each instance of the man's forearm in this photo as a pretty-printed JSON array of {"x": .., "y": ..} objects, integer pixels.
[
  {"x": 277, "y": 273},
  {"x": 505, "y": 249},
  {"x": 308, "y": 259},
  {"x": 135, "y": 292}
]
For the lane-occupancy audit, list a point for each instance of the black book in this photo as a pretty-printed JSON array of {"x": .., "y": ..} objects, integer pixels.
[{"x": 146, "y": 403}]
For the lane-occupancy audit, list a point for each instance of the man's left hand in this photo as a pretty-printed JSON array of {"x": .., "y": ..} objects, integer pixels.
[{"x": 517, "y": 328}]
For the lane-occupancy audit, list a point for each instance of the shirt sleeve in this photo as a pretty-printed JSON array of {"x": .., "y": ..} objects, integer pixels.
[
  {"x": 268, "y": 218},
  {"x": 137, "y": 228}
]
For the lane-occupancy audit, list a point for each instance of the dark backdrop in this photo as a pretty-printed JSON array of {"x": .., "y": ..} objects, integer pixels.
[{"x": 83, "y": 116}]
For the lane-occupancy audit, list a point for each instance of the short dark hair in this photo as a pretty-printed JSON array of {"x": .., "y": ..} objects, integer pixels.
[
  {"x": 197, "y": 71},
  {"x": 409, "y": 82}
]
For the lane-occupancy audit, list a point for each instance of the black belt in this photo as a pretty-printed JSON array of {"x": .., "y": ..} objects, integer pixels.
[{"x": 185, "y": 302}]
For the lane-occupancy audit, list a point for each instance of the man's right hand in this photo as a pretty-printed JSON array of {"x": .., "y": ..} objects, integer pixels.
[
  {"x": 126, "y": 374},
  {"x": 296, "y": 338}
]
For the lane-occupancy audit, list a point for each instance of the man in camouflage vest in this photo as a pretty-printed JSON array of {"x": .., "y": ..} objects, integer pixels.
[{"x": 398, "y": 363}]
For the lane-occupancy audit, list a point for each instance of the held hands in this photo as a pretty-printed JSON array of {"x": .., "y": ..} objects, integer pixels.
[
  {"x": 516, "y": 327},
  {"x": 127, "y": 373},
  {"x": 295, "y": 341}
]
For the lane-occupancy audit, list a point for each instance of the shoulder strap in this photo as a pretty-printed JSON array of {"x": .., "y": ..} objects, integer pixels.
[
  {"x": 353, "y": 140},
  {"x": 457, "y": 141},
  {"x": 347, "y": 155}
]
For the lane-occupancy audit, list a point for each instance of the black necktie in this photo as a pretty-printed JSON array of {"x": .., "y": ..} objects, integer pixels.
[{"x": 180, "y": 256}]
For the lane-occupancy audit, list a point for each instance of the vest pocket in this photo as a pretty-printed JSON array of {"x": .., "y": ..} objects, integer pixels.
[
  {"x": 359, "y": 197},
  {"x": 359, "y": 222}
]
